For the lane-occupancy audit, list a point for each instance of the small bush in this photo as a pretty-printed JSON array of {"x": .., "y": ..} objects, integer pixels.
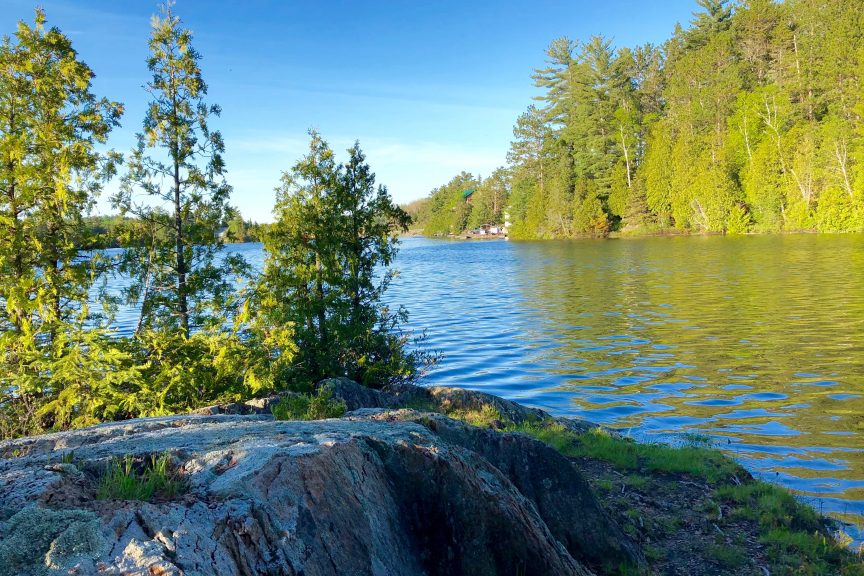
[
  {"x": 309, "y": 407},
  {"x": 125, "y": 481},
  {"x": 291, "y": 407}
]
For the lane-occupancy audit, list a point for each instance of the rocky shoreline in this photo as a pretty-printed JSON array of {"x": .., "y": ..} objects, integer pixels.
[{"x": 410, "y": 481}]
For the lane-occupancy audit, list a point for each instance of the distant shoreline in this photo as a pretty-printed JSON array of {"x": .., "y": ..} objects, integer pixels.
[{"x": 621, "y": 235}]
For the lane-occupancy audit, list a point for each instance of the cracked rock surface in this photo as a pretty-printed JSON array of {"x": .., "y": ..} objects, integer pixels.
[{"x": 378, "y": 492}]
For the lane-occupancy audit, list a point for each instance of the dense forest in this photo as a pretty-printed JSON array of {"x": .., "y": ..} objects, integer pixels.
[
  {"x": 748, "y": 120},
  {"x": 209, "y": 327}
]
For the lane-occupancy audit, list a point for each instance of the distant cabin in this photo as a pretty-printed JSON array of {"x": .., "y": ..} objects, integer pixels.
[
  {"x": 488, "y": 230},
  {"x": 467, "y": 195}
]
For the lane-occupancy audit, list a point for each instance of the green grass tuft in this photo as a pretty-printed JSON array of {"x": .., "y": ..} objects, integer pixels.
[
  {"x": 772, "y": 506},
  {"x": 793, "y": 532},
  {"x": 553, "y": 434},
  {"x": 485, "y": 417},
  {"x": 309, "y": 407},
  {"x": 625, "y": 454},
  {"x": 125, "y": 480},
  {"x": 727, "y": 556},
  {"x": 799, "y": 552}
]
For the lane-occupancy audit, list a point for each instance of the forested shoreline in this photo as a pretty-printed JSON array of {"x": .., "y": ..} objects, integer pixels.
[{"x": 749, "y": 120}]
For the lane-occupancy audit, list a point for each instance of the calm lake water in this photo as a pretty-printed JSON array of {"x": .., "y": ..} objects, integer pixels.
[{"x": 757, "y": 342}]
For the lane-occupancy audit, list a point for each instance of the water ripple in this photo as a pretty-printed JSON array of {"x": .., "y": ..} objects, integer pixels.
[{"x": 756, "y": 341}]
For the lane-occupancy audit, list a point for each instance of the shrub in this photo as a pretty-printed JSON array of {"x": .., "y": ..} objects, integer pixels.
[{"x": 309, "y": 407}]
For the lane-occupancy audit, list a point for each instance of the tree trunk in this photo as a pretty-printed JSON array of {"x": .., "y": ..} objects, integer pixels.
[
  {"x": 841, "y": 154},
  {"x": 182, "y": 265},
  {"x": 626, "y": 158},
  {"x": 182, "y": 301},
  {"x": 319, "y": 293}
]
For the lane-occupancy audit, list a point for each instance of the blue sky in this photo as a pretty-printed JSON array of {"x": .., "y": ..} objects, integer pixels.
[{"x": 428, "y": 87}]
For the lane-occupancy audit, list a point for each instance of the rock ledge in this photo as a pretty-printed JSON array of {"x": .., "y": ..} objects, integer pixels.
[{"x": 383, "y": 491}]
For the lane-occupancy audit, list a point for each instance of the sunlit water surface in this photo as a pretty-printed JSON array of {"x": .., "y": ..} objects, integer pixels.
[{"x": 757, "y": 342}]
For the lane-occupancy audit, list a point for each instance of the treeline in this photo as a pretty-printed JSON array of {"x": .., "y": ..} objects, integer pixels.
[
  {"x": 209, "y": 329},
  {"x": 105, "y": 231},
  {"x": 750, "y": 120},
  {"x": 466, "y": 202}
]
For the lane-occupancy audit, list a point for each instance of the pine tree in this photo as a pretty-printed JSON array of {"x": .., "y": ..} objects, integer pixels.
[{"x": 178, "y": 167}]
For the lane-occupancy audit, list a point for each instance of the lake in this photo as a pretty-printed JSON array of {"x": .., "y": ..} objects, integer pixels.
[{"x": 757, "y": 342}]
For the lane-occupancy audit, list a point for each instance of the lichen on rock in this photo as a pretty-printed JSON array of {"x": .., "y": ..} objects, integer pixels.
[{"x": 39, "y": 541}]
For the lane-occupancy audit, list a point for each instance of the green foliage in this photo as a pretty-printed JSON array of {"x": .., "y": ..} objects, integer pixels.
[
  {"x": 199, "y": 340},
  {"x": 809, "y": 553},
  {"x": 738, "y": 220},
  {"x": 589, "y": 217},
  {"x": 447, "y": 211},
  {"x": 127, "y": 479},
  {"x": 489, "y": 200},
  {"x": 172, "y": 243},
  {"x": 176, "y": 374},
  {"x": 793, "y": 532},
  {"x": 771, "y": 506},
  {"x": 333, "y": 229},
  {"x": 485, "y": 417},
  {"x": 309, "y": 407},
  {"x": 555, "y": 435},
  {"x": 51, "y": 170},
  {"x": 729, "y": 557},
  {"x": 748, "y": 120},
  {"x": 626, "y": 454}
]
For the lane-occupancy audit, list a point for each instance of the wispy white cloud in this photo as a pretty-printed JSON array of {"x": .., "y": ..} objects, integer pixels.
[{"x": 410, "y": 169}]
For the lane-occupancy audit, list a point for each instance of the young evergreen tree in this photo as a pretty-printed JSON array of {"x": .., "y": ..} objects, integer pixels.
[
  {"x": 175, "y": 186},
  {"x": 530, "y": 156},
  {"x": 334, "y": 229},
  {"x": 53, "y": 353},
  {"x": 367, "y": 331}
]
